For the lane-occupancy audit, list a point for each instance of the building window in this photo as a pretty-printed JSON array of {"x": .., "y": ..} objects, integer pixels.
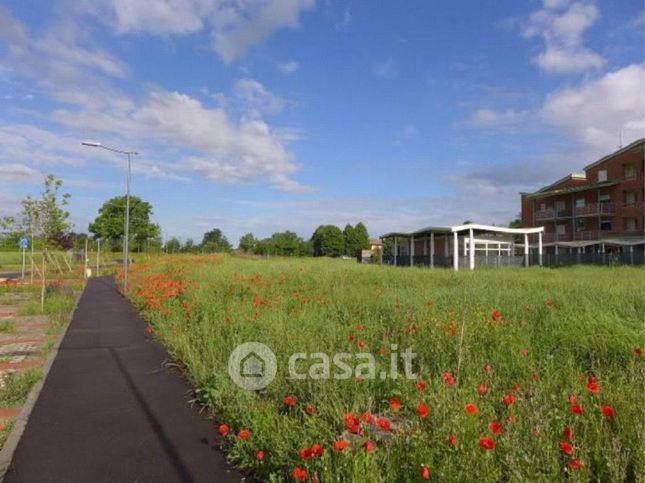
[
  {"x": 602, "y": 175},
  {"x": 629, "y": 198},
  {"x": 580, "y": 224},
  {"x": 629, "y": 171},
  {"x": 605, "y": 225},
  {"x": 580, "y": 203},
  {"x": 631, "y": 224}
]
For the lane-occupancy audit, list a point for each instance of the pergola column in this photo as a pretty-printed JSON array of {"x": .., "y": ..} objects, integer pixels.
[
  {"x": 396, "y": 249},
  {"x": 455, "y": 250},
  {"x": 526, "y": 249},
  {"x": 411, "y": 251},
  {"x": 432, "y": 250},
  {"x": 471, "y": 249},
  {"x": 540, "y": 248}
]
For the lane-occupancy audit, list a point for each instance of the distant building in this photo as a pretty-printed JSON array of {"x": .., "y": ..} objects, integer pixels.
[
  {"x": 600, "y": 210},
  {"x": 375, "y": 245}
]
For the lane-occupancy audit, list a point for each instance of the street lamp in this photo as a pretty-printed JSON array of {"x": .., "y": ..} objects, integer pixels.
[{"x": 126, "y": 252}]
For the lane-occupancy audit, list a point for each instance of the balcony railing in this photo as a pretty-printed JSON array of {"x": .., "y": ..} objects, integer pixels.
[
  {"x": 545, "y": 215},
  {"x": 595, "y": 209}
]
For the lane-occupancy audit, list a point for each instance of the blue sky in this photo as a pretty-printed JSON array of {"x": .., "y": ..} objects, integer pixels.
[{"x": 269, "y": 115}]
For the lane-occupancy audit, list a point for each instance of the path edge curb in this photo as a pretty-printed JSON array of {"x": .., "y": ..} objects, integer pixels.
[{"x": 9, "y": 448}]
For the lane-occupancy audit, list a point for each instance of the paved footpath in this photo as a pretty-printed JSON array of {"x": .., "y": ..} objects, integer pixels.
[{"x": 110, "y": 412}]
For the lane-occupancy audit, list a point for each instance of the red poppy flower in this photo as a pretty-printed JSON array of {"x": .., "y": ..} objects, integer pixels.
[
  {"x": 575, "y": 464},
  {"x": 488, "y": 368},
  {"x": 259, "y": 455},
  {"x": 395, "y": 404},
  {"x": 566, "y": 448},
  {"x": 495, "y": 315},
  {"x": 289, "y": 401},
  {"x": 486, "y": 443},
  {"x": 362, "y": 344},
  {"x": 310, "y": 409},
  {"x": 509, "y": 399},
  {"x": 471, "y": 408},
  {"x": 384, "y": 424},
  {"x": 572, "y": 399},
  {"x": 495, "y": 428},
  {"x": 421, "y": 385},
  {"x": 568, "y": 434},
  {"x": 592, "y": 385},
  {"x": 244, "y": 434},
  {"x": 340, "y": 445},
  {"x": 360, "y": 328},
  {"x": 383, "y": 350},
  {"x": 482, "y": 389},
  {"x": 422, "y": 410},
  {"x": 369, "y": 446},
  {"x": 638, "y": 351},
  {"x": 299, "y": 474},
  {"x": 368, "y": 418},
  {"x": 524, "y": 352},
  {"x": 452, "y": 440},
  {"x": 510, "y": 419},
  {"x": 305, "y": 453},
  {"x": 576, "y": 409},
  {"x": 317, "y": 450},
  {"x": 424, "y": 472},
  {"x": 223, "y": 429},
  {"x": 448, "y": 378},
  {"x": 607, "y": 411},
  {"x": 351, "y": 423}
]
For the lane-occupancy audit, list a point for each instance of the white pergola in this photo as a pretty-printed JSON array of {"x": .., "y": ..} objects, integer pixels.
[{"x": 471, "y": 242}]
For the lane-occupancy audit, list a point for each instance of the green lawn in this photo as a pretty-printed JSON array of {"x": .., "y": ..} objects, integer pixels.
[{"x": 516, "y": 343}]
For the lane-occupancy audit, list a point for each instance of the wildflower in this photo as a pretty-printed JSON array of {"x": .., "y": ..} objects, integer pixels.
[
  {"x": 524, "y": 352},
  {"x": 369, "y": 446},
  {"x": 360, "y": 328},
  {"x": 495, "y": 315},
  {"x": 305, "y": 453},
  {"x": 510, "y": 419},
  {"x": 259, "y": 455},
  {"x": 607, "y": 411},
  {"x": 223, "y": 429},
  {"x": 488, "y": 368},
  {"x": 424, "y": 472},
  {"x": 509, "y": 399},
  {"x": 422, "y": 410},
  {"x": 575, "y": 464},
  {"x": 576, "y": 409},
  {"x": 340, "y": 445},
  {"x": 351, "y": 423},
  {"x": 568, "y": 434},
  {"x": 289, "y": 401},
  {"x": 566, "y": 448},
  {"x": 421, "y": 385},
  {"x": 317, "y": 450},
  {"x": 299, "y": 474},
  {"x": 452, "y": 440},
  {"x": 496, "y": 428},
  {"x": 486, "y": 443},
  {"x": 471, "y": 408},
  {"x": 639, "y": 351},
  {"x": 362, "y": 344},
  {"x": 384, "y": 424},
  {"x": 244, "y": 434},
  {"x": 448, "y": 378},
  {"x": 395, "y": 404},
  {"x": 368, "y": 418},
  {"x": 383, "y": 350},
  {"x": 482, "y": 389},
  {"x": 310, "y": 409},
  {"x": 592, "y": 385},
  {"x": 572, "y": 399}
]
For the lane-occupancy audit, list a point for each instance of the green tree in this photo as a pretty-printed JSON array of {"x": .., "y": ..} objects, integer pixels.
[
  {"x": 172, "y": 246},
  {"x": 328, "y": 241},
  {"x": 110, "y": 222},
  {"x": 356, "y": 239},
  {"x": 214, "y": 241},
  {"x": 248, "y": 242},
  {"x": 189, "y": 246},
  {"x": 516, "y": 223}
]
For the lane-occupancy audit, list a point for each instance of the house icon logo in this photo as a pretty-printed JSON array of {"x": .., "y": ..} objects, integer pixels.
[{"x": 252, "y": 366}]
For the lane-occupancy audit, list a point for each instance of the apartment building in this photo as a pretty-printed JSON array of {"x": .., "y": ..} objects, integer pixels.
[{"x": 600, "y": 210}]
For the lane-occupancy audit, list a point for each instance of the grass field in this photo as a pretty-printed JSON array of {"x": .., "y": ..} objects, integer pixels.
[{"x": 523, "y": 374}]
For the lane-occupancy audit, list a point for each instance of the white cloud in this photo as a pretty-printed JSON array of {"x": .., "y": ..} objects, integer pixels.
[
  {"x": 288, "y": 67},
  {"x": 19, "y": 173},
  {"x": 595, "y": 112},
  {"x": 561, "y": 24},
  {"x": 386, "y": 69},
  {"x": 257, "y": 100},
  {"x": 486, "y": 117},
  {"x": 234, "y": 25}
]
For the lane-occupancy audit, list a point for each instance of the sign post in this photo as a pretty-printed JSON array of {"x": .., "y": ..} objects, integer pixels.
[{"x": 23, "y": 244}]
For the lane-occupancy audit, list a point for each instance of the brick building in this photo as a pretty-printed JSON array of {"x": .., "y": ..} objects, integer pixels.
[{"x": 600, "y": 210}]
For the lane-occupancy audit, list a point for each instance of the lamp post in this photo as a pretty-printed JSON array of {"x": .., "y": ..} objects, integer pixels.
[{"x": 126, "y": 251}]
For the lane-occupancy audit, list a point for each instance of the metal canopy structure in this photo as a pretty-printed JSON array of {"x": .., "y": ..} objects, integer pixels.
[{"x": 493, "y": 238}]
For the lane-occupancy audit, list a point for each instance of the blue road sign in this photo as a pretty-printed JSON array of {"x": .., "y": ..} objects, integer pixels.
[{"x": 23, "y": 243}]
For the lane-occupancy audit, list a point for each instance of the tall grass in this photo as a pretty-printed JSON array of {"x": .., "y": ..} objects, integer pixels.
[{"x": 540, "y": 333}]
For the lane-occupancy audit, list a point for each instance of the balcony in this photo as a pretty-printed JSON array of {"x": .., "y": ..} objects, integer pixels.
[
  {"x": 545, "y": 215},
  {"x": 548, "y": 237},
  {"x": 595, "y": 209}
]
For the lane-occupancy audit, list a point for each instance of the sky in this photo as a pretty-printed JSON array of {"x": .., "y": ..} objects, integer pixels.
[{"x": 270, "y": 115}]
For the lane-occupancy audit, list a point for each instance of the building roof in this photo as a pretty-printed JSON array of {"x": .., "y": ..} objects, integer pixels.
[
  {"x": 476, "y": 227},
  {"x": 580, "y": 176},
  {"x": 629, "y": 147},
  {"x": 571, "y": 189}
]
